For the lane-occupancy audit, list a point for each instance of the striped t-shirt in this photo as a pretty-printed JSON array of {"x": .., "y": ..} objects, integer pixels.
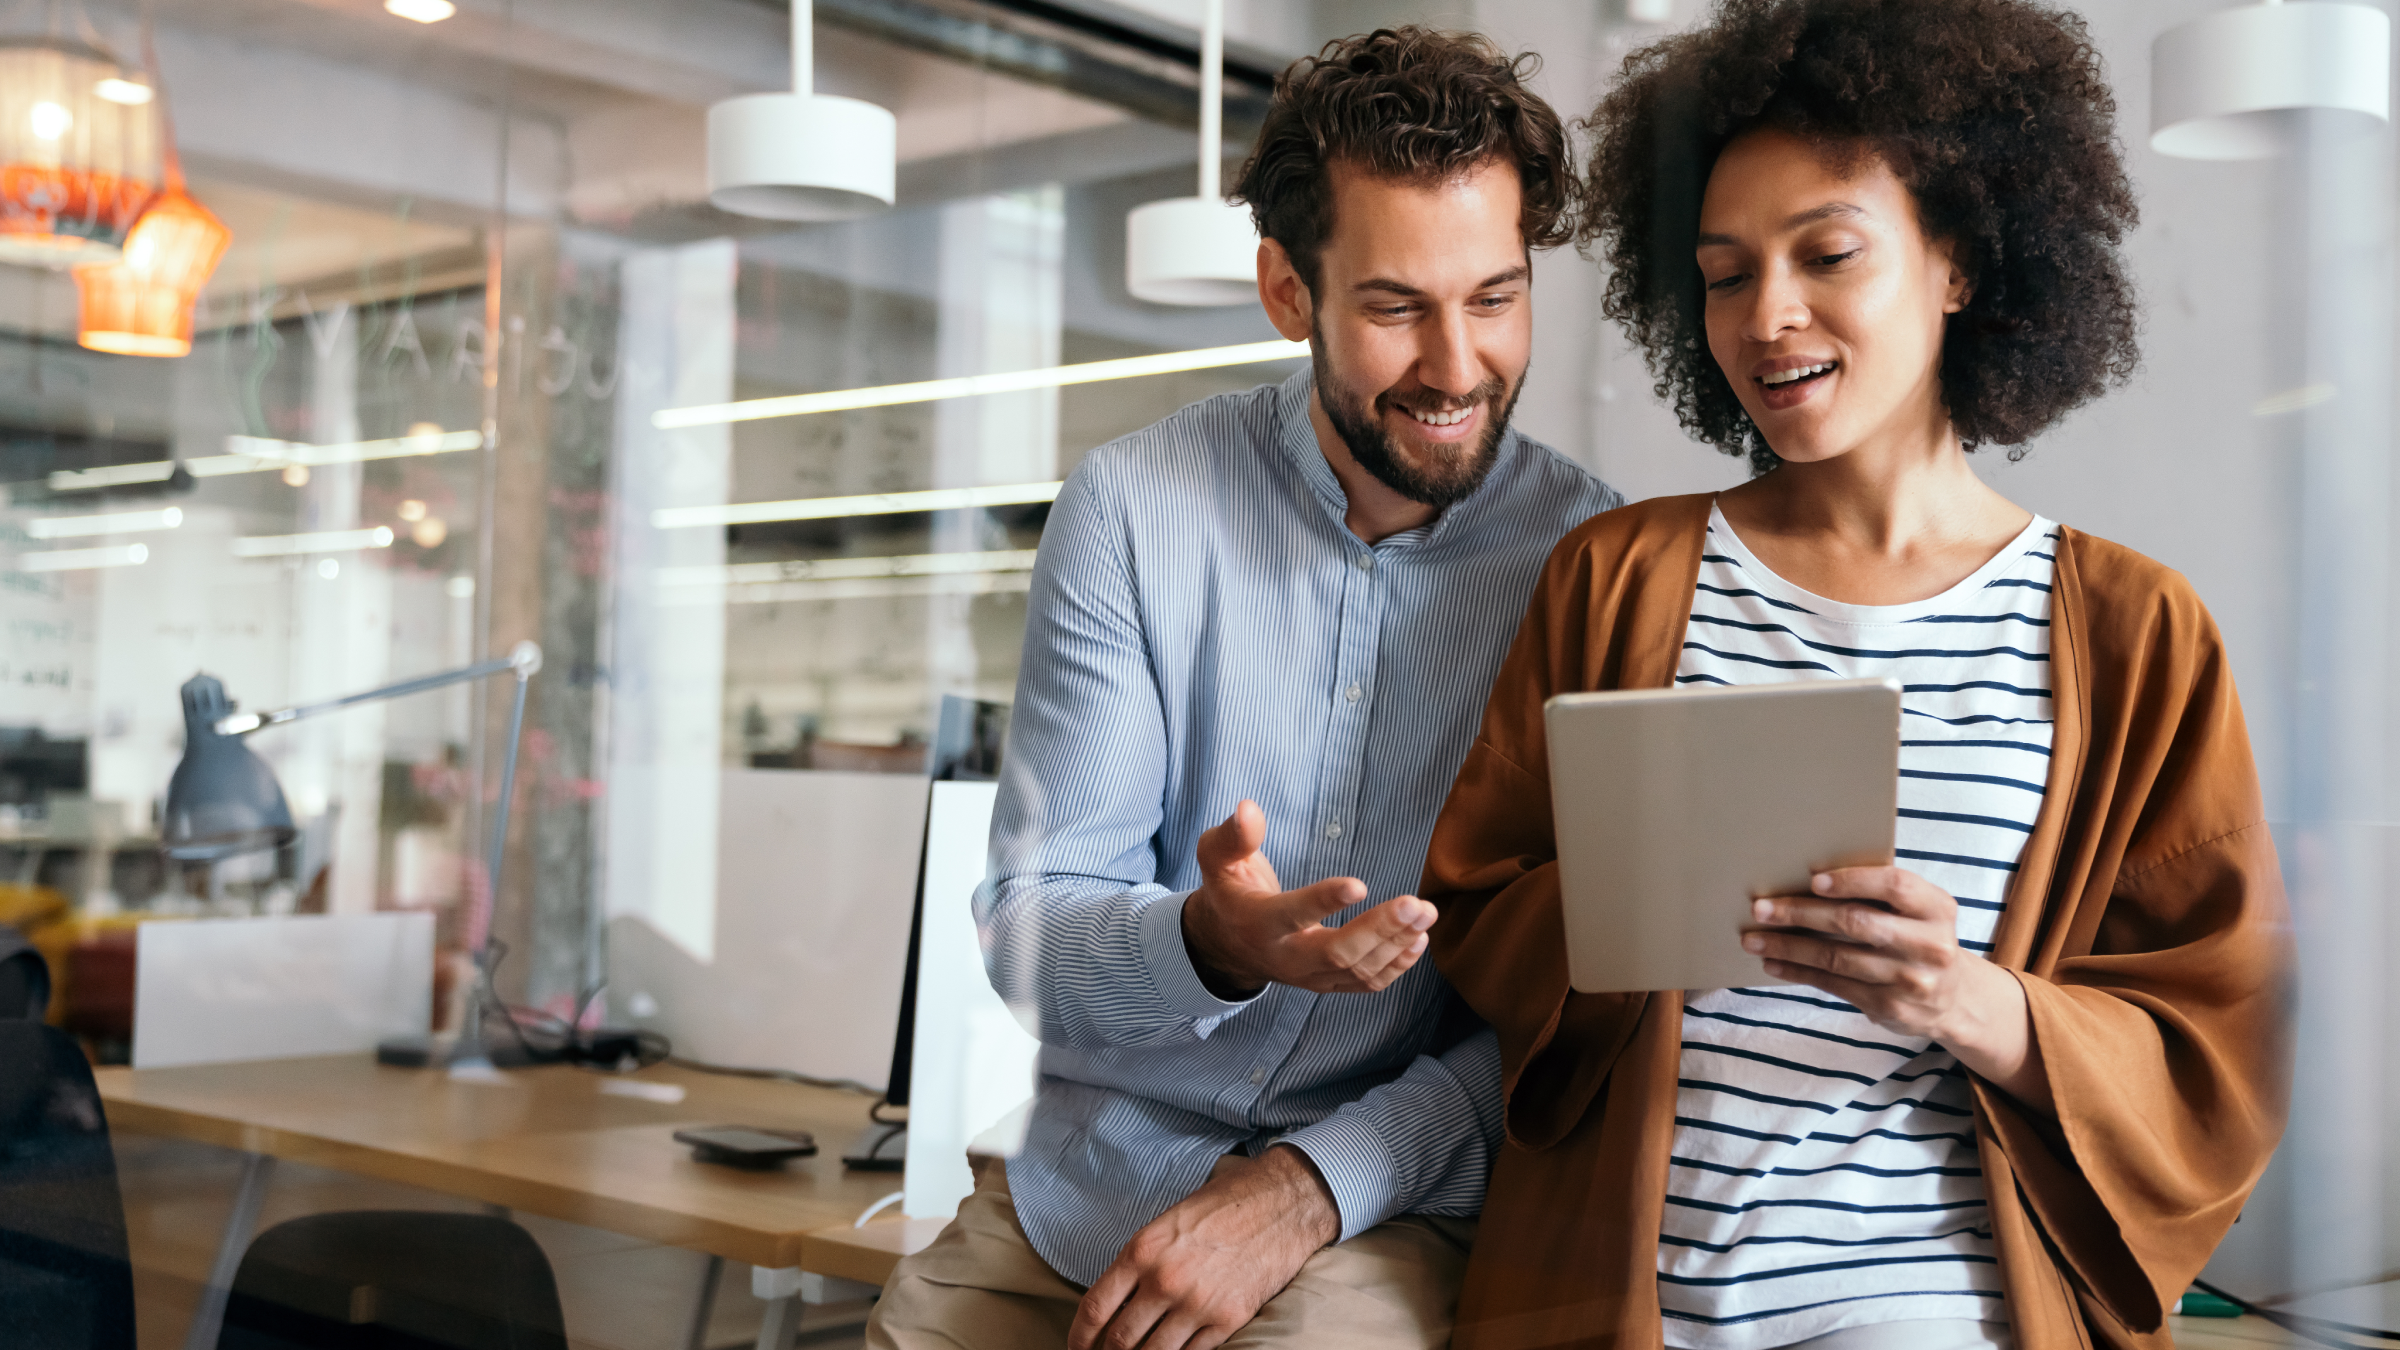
[{"x": 1823, "y": 1170}]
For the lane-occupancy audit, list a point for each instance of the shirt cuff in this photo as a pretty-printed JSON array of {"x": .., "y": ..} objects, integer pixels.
[
  {"x": 1171, "y": 967},
  {"x": 1357, "y": 1167}
]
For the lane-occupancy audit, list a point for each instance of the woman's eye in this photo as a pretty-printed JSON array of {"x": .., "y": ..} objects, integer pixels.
[
  {"x": 1835, "y": 259},
  {"x": 1728, "y": 283}
]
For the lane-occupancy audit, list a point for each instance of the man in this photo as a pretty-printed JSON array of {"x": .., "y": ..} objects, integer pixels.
[{"x": 1260, "y": 1121}]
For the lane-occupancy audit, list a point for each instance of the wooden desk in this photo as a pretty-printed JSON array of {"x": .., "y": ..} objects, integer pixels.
[{"x": 560, "y": 1142}]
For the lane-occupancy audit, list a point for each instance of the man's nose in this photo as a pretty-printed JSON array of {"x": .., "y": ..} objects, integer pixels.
[{"x": 1446, "y": 358}]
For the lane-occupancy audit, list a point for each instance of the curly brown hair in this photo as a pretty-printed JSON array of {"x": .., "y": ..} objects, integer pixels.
[
  {"x": 1994, "y": 113},
  {"x": 1411, "y": 103}
]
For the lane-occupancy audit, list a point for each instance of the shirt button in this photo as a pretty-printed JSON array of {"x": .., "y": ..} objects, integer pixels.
[
  {"x": 1366, "y": 562},
  {"x": 1258, "y": 1075},
  {"x": 1333, "y": 829},
  {"x": 1353, "y": 692}
]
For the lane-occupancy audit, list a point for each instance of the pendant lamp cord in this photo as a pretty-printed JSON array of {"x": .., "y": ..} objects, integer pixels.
[
  {"x": 804, "y": 51},
  {"x": 169, "y": 161},
  {"x": 1212, "y": 101}
]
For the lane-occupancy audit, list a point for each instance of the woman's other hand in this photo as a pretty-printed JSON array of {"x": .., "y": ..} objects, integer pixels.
[{"x": 1885, "y": 941}]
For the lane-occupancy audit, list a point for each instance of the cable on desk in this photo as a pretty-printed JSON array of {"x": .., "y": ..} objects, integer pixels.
[
  {"x": 780, "y": 1075},
  {"x": 2318, "y": 1329}
]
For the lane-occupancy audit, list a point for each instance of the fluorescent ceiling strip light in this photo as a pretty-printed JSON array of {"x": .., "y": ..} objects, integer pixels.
[
  {"x": 855, "y": 588},
  {"x": 257, "y": 454},
  {"x": 970, "y": 386},
  {"x": 77, "y": 559},
  {"x": 871, "y": 504},
  {"x": 819, "y": 569},
  {"x": 107, "y": 522},
  {"x": 320, "y": 541}
]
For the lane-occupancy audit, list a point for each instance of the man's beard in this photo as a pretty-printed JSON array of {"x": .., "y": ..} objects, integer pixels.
[{"x": 1436, "y": 484}]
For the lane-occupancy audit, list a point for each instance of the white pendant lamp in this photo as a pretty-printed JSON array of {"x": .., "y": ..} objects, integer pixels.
[
  {"x": 2254, "y": 81},
  {"x": 1197, "y": 250},
  {"x": 801, "y": 155}
]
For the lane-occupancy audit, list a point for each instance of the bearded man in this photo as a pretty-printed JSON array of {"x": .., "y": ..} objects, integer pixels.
[{"x": 1257, "y": 647}]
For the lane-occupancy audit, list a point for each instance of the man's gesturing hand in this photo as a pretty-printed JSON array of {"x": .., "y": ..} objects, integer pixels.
[
  {"x": 1244, "y": 930},
  {"x": 1198, "y": 1273}
]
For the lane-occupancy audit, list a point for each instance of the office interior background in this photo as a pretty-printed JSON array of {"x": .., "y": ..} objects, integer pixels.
[{"x": 470, "y": 262}]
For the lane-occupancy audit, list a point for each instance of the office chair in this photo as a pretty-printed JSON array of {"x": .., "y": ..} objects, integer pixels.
[
  {"x": 24, "y": 977},
  {"x": 394, "y": 1280},
  {"x": 66, "y": 1282}
]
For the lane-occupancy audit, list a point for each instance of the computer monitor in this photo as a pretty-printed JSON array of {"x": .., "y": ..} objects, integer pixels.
[{"x": 966, "y": 747}]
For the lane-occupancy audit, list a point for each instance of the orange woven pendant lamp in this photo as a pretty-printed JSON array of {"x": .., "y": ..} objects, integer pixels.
[
  {"x": 79, "y": 149},
  {"x": 141, "y": 304}
]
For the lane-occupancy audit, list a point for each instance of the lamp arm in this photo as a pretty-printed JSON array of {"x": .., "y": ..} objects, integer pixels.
[{"x": 525, "y": 659}]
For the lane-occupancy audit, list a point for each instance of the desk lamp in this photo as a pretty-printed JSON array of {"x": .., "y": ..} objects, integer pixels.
[{"x": 224, "y": 801}]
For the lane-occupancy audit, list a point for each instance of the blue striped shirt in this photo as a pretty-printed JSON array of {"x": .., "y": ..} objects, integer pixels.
[{"x": 1203, "y": 628}]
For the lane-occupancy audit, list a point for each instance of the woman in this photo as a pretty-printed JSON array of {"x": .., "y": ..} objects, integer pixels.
[{"x": 2019, "y": 1084}]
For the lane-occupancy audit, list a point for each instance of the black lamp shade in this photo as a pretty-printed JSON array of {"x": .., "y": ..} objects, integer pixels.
[{"x": 223, "y": 799}]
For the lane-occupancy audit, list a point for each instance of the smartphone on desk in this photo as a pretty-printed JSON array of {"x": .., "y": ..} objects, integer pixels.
[{"x": 745, "y": 1147}]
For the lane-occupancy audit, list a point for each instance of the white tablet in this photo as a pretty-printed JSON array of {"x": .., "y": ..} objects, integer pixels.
[{"x": 1676, "y": 807}]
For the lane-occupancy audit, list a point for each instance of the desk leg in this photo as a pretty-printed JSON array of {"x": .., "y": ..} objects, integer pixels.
[
  {"x": 779, "y": 1288},
  {"x": 698, "y": 1339},
  {"x": 209, "y": 1317}
]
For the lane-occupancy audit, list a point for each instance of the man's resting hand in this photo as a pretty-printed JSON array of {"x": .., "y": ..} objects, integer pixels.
[
  {"x": 1244, "y": 930},
  {"x": 1198, "y": 1273}
]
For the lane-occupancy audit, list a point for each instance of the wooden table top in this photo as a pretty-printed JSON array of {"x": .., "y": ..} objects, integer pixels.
[{"x": 555, "y": 1141}]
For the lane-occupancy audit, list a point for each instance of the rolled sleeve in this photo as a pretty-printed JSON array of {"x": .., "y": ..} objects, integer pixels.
[{"x": 1171, "y": 970}]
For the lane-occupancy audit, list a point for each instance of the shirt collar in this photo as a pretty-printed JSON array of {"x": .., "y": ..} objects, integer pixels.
[{"x": 1297, "y": 435}]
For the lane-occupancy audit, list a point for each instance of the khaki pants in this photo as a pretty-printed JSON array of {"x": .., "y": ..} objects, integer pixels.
[{"x": 981, "y": 1286}]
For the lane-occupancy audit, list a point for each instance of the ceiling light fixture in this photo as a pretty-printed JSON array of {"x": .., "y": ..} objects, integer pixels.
[
  {"x": 821, "y": 569},
  {"x": 969, "y": 386},
  {"x": 2258, "y": 80},
  {"x": 423, "y": 11},
  {"x": 1199, "y": 250},
  {"x": 801, "y": 156},
  {"x": 869, "y": 504},
  {"x": 77, "y": 165},
  {"x": 315, "y": 541},
  {"x": 140, "y": 304},
  {"x": 257, "y": 454},
  {"x": 80, "y": 559},
  {"x": 106, "y": 522}
]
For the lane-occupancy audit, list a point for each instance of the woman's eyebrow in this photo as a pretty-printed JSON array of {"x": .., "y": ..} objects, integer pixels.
[{"x": 1829, "y": 211}]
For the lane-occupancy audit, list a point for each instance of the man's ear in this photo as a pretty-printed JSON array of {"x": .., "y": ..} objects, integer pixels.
[{"x": 1284, "y": 295}]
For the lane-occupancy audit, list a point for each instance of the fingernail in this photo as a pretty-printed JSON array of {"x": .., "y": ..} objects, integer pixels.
[
  {"x": 1821, "y": 883},
  {"x": 1421, "y": 916},
  {"x": 1753, "y": 943},
  {"x": 1762, "y": 910}
]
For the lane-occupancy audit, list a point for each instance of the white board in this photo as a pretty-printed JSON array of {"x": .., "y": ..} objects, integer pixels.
[
  {"x": 212, "y": 991},
  {"x": 972, "y": 1071}
]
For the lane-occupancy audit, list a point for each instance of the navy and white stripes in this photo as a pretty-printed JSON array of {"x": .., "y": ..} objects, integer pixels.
[
  {"x": 1203, "y": 628},
  {"x": 1823, "y": 1170}
]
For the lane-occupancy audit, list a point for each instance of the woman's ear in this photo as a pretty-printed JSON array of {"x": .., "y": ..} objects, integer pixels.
[{"x": 1958, "y": 289}]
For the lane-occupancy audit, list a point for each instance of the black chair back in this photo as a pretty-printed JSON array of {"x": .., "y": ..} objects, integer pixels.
[
  {"x": 24, "y": 977},
  {"x": 65, "y": 1280},
  {"x": 394, "y": 1280}
]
